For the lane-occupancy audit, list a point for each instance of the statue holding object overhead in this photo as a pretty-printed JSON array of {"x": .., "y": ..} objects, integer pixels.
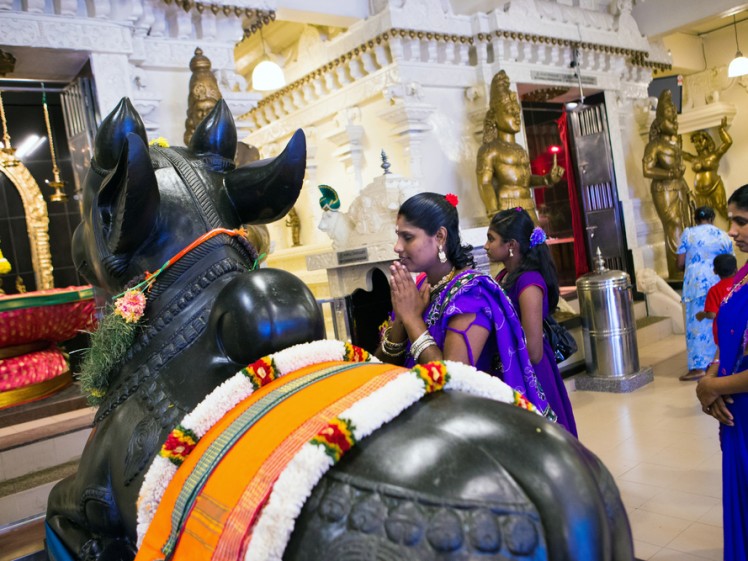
[
  {"x": 503, "y": 170},
  {"x": 708, "y": 189},
  {"x": 663, "y": 164}
]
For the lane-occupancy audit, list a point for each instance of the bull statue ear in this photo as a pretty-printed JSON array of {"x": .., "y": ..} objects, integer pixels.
[
  {"x": 264, "y": 191},
  {"x": 216, "y": 134},
  {"x": 114, "y": 129},
  {"x": 129, "y": 199}
]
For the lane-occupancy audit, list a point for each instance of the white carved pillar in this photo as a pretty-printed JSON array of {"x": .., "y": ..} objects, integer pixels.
[
  {"x": 476, "y": 110},
  {"x": 112, "y": 73},
  {"x": 180, "y": 22},
  {"x": 308, "y": 205},
  {"x": 348, "y": 136},
  {"x": 34, "y": 6},
  {"x": 410, "y": 119},
  {"x": 240, "y": 103},
  {"x": 157, "y": 20},
  {"x": 66, "y": 7},
  {"x": 102, "y": 9}
]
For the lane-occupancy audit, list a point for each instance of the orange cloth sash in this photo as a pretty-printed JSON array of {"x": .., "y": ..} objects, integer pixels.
[
  {"x": 238, "y": 527},
  {"x": 200, "y": 505}
]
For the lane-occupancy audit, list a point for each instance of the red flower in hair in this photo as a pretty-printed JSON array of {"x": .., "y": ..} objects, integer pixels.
[{"x": 452, "y": 199}]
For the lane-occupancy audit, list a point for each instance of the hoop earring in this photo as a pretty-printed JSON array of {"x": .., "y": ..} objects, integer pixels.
[
  {"x": 511, "y": 253},
  {"x": 441, "y": 255}
]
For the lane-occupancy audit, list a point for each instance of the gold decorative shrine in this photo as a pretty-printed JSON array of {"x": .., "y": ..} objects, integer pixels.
[{"x": 37, "y": 219}]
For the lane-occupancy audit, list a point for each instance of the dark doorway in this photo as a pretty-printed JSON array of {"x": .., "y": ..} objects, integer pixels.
[
  {"x": 554, "y": 211},
  {"x": 25, "y": 117},
  {"x": 596, "y": 181},
  {"x": 367, "y": 311}
]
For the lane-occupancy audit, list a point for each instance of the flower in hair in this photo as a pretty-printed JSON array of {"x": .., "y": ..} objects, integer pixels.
[
  {"x": 452, "y": 199},
  {"x": 537, "y": 237}
]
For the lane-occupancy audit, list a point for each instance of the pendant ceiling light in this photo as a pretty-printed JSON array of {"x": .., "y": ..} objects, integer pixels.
[
  {"x": 739, "y": 65},
  {"x": 267, "y": 75}
]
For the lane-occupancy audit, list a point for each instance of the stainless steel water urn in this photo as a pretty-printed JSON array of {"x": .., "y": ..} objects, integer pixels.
[{"x": 608, "y": 323}]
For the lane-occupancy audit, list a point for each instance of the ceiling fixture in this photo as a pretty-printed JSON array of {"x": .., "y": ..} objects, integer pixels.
[
  {"x": 10, "y": 158},
  {"x": 576, "y": 105},
  {"x": 267, "y": 75},
  {"x": 739, "y": 65},
  {"x": 58, "y": 184}
]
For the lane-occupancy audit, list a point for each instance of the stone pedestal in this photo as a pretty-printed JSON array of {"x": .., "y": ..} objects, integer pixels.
[
  {"x": 617, "y": 384},
  {"x": 349, "y": 270}
]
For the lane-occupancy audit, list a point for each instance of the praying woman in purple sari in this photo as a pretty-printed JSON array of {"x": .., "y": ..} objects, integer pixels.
[
  {"x": 451, "y": 311},
  {"x": 531, "y": 282},
  {"x": 723, "y": 392}
]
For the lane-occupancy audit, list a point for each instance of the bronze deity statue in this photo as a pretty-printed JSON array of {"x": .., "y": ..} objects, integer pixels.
[
  {"x": 294, "y": 223},
  {"x": 503, "y": 169},
  {"x": 510, "y": 484},
  {"x": 708, "y": 189},
  {"x": 663, "y": 164},
  {"x": 203, "y": 96},
  {"x": 204, "y": 93}
]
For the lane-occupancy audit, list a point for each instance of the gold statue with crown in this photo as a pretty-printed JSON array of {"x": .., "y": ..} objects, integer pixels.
[
  {"x": 203, "y": 96},
  {"x": 503, "y": 170},
  {"x": 663, "y": 164}
]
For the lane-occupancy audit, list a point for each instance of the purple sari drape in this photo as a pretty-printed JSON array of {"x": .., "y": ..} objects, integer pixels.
[
  {"x": 546, "y": 370},
  {"x": 732, "y": 328},
  {"x": 505, "y": 352}
]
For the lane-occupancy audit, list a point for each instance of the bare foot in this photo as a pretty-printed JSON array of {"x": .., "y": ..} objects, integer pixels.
[{"x": 692, "y": 375}]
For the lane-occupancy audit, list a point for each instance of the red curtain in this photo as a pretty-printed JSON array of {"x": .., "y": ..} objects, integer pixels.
[{"x": 580, "y": 254}]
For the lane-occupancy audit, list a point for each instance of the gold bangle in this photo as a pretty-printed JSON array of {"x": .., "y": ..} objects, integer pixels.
[
  {"x": 389, "y": 348},
  {"x": 396, "y": 354}
]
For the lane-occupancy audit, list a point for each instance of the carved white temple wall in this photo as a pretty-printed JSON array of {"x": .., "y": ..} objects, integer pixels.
[
  {"x": 410, "y": 79},
  {"x": 418, "y": 74},
  {"x": 139, "y": 48}
]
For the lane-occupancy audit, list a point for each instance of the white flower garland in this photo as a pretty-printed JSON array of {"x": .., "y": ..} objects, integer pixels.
[
  {"x": 221, "y": 400},
  {"x": 296, "y": 482}
]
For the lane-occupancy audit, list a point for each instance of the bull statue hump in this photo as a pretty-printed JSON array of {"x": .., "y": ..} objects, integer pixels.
[{"x": 228, "y": 427}]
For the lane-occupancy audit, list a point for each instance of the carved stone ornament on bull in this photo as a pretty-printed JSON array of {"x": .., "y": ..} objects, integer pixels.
[{"x": 229, "y": 429}]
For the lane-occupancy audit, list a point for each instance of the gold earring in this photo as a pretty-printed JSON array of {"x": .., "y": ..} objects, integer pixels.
[{"x": 441, "y": 255}]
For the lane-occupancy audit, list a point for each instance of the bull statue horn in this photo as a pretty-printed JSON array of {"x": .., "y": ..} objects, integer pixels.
[
  {"x": 264, "y": 191},
  {"x": 129, "y": 200},
  {"x": 110, "y": 139},
  {"x": 216, "y": 134}
]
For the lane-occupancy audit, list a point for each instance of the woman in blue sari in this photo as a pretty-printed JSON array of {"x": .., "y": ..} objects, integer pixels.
[
  {"x": 723, "y": 392},
  {"x": 451, "y": 311},
  {"x": 699, "y": 245}
]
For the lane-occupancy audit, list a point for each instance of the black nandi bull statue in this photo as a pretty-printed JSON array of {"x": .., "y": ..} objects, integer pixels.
[{"x": 455, "y": 477}]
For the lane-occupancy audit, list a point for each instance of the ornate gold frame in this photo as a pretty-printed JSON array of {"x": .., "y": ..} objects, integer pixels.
[{"x": 37, "y": 219}]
